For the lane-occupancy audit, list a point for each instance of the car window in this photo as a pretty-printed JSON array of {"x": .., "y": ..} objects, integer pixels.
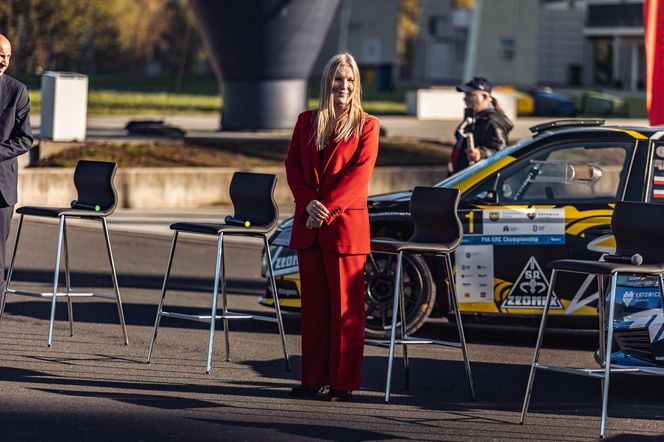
[{"x": 563, "y": 173}]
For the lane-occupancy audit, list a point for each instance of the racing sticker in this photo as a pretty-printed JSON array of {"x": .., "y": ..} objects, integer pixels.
[
  {"x": 530, "y": 289},
  {"x": 658, "y": 162},
  {"x": 474, "y": 273},
  {"x": 284, "y": 261},
  {"x": 527, "y": 226},
  {"x": 658, "y": 174}
]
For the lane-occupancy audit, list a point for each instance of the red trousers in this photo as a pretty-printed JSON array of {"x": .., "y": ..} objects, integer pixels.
[{"x": 333, "y": 318}]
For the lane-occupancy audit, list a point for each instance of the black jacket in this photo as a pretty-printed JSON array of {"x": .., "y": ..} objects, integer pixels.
[
  {"x": 490, "y": 133},
  {"x": 15, "y": 133}
]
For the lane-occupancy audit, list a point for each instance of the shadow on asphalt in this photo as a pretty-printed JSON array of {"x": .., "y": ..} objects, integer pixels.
[
  {"x": 569, "y": 339},
  {"x": 252, "y": 287},
  {"x": 437, "y": 385},
  {"x": 105, "y": 312},
  {"x": 322, "y": 432}
]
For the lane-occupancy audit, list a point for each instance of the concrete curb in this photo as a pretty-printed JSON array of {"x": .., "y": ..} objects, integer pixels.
[{"x": 177, "y": 187}]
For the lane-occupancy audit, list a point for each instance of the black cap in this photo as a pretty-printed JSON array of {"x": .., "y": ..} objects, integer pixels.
[{"x": 476, "y": 84}]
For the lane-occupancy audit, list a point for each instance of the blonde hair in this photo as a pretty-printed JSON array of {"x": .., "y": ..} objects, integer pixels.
[{"x": 327, "y": 121}]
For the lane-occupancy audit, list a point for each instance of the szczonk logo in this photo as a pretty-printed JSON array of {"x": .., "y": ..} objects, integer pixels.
[{"x": 530, "y": 289}]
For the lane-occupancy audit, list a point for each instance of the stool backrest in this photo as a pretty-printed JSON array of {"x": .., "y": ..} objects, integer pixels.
[
  {"x": 435, "y": 218},
  {"x": 639, "y": 228},
  {"x": 94, "y": 184},
  {"x": 252, "y": 195}
]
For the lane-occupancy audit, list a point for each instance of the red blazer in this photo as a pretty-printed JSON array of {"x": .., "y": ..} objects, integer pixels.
[{"x": 341, "y": 186}]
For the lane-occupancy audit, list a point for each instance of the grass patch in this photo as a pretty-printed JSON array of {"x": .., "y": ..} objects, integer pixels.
[
  {"x": 161, "y": 96},
  {"x": 233, "y": 153},
  {"x": 125, "y": 102},
  {"x": 106, "y": 102}
]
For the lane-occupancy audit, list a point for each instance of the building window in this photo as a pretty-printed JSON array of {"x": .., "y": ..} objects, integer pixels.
[
  {"x": 438, "y": 27},
  {"x": 460, "y": 39},
  {"x": 507, "y": 48}
]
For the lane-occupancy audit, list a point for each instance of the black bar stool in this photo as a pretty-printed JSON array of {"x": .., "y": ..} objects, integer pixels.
[
  {"x": 256, "y": 213},
  {"x": 639, "y": 232},
  {"x": 97, "y": 199},
  {"x": 437, "y": 231}
]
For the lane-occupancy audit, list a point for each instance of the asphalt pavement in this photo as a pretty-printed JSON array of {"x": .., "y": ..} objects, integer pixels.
[{"x": 92, "y": 387}]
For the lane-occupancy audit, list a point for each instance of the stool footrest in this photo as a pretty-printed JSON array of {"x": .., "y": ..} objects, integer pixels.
[
  {"x": 206, "y": 318},
  {"x": 187, "y": 317},
  {"x": 60, "y": 294},
  {"x": 236, "y": 315},
  {"x": 412, "y": 341},
  {"x": 599, "y": 372}
]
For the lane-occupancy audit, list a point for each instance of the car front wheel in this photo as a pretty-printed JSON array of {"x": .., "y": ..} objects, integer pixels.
[{"x": 419, "y": 293}]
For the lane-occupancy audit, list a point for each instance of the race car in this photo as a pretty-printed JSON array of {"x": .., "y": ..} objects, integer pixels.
[{"x": 547, "y": 197}]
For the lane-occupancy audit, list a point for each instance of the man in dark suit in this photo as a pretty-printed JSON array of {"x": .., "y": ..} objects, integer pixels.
[{"x": 15, "y": 139}]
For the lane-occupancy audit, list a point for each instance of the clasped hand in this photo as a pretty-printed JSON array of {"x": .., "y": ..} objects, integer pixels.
[{"x": 317, "y": 214}]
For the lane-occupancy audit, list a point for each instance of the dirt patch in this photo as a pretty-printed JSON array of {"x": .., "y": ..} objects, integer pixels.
[{"x": 232, "y": 153}]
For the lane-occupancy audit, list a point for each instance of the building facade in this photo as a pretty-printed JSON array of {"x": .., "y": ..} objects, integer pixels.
[{"x": 524, "y": 43}]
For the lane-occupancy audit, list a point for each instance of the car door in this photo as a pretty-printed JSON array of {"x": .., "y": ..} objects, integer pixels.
[{"x": 554, "y": 201}]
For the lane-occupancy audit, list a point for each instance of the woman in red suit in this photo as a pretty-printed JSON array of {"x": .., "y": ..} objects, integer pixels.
[{"x": 329, "y": 163}]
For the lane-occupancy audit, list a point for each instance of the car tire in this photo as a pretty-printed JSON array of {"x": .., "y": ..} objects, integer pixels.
[{"x": 419, "y": 291}]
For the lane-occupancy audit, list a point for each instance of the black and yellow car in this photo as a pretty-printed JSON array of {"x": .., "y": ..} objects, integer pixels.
[{"x": 546, "y": 197}]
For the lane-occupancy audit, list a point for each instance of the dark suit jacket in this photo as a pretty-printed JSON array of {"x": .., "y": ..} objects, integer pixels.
[
  {"x": 15, "y": 133},
  {"x": 341, "y": 186}
]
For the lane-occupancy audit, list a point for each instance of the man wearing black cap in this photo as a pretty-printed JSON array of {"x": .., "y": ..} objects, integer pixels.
[{"x": 489, "y": 126}]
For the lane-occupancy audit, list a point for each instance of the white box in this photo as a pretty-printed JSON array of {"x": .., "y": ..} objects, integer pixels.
[
  {"x": 445, "y": 103},
  {"x": 64, "y": 106}
]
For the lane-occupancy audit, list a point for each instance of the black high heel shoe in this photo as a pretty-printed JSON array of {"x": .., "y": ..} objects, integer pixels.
[
  {"x": 335, "y": 395},
  {"x": 305, "y": 391}
]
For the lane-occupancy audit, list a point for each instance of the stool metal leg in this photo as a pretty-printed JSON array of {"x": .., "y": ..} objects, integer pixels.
[
  {"x": 602, "y": 333},
  {"x": 70, "y": 310},
  {"x": 275, "y": 297},
  {"x": 600, "y": 315},
  {"x": 457, "y": 313},
  {"x": 116, "y": 286},
  {"x": 55, "y": 279},
  {"x": 215, "y": 294},
  {"x": 607, "y": 366},
  {"x": 11, "y": 267},
  {"x": 538, "y": 346},
  {"x": 402, "y": 313},
  {"x": 224, "y": 303},
  {"x": 395, "y": 310},
  {"x": 163, "y": 294}
]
